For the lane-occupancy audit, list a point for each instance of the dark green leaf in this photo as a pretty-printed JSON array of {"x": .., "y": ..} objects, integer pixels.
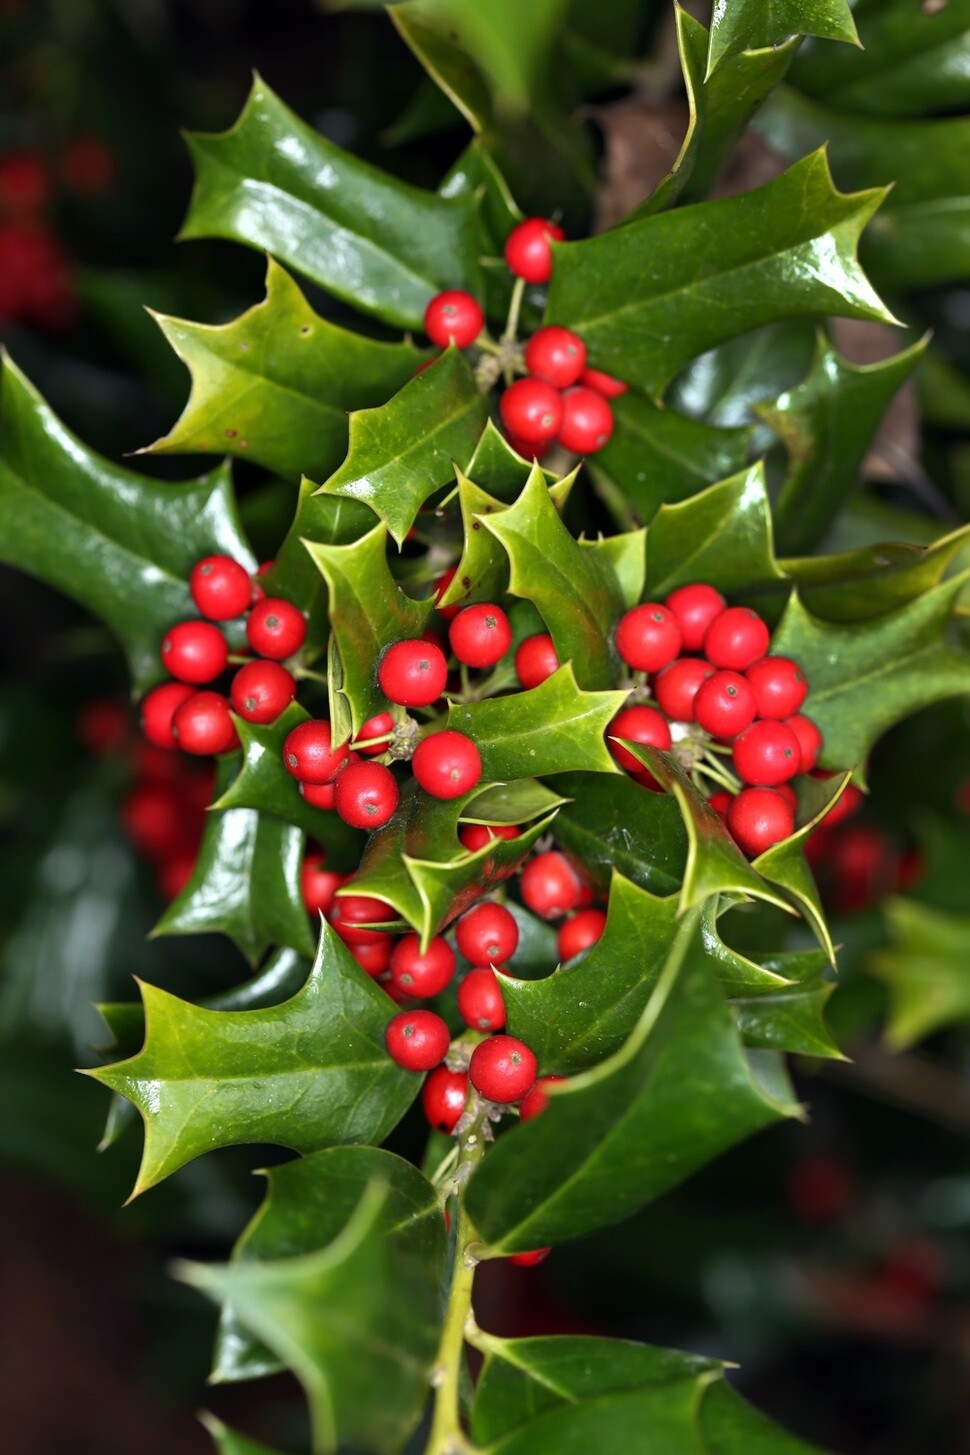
[
  {"x": 721, "y": 386},
  {"x": 611, "y": 822},
  {"x": 722, "y": 536},
  {"x": 230, "y": 1442},
  {"x": 790, "y": 1020},
  {"x": 874, "y": 579},
  {"x": 743, "y": 25},
  {"x": 328, "y": 520},
  {"x": 925, "y": 969},
  {"x": 786, "y": 866}
]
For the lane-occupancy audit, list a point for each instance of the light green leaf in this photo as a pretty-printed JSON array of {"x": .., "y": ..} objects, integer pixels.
[
  {"x": 868, "y": 582},
  {"x": 744, "y": 25},
  {"x": 925, "y": 967},
  {"x": 722, "y": 536},
  {"x": 230, "y": 1442},
  {"x": 327, "y": 520}
]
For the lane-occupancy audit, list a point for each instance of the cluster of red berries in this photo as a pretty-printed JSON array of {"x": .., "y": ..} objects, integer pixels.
[
  {"x": 180, "y": 715},
  {"x": 560, "y": 399}
]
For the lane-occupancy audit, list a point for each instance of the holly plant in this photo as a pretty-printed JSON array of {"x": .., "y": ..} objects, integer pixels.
[{"x": 550, "y": 683}]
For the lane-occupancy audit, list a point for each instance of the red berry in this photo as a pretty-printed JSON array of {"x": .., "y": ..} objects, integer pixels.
[
  {"x": 848, "y": 803},
  {"x": 374, "y": 959},
  {"x": 158, "y": 709},
  {"x": 480, "y": 635},
  {"x": 535, "y": 660},
  {"x": 417, "y": 1039},
  {"x": 580, "y": 933},
  {"x": 587, "y": 421},
  {"x": 441, "y": 585},
  {"x": 758, "y": 818},
  {"x": 366, "y": 795},
  {"x": 809, "y": 740},
  {"x": 25, "y": 183},
  {"x": 276, "y": 628},
  {"x": 350, "y": 912},
  {"x": 527, "y": 249},
  {"x": 453, "y": 317},
  {"x": 536, "y": 1102},
  {"x": 677, "y": 686},
  {"x": 779, "y": 686},
  {"x": 443, "y": 1098},
  {"x": 736, "y": 638},
  {"x": 648, "y": 637},
  {"x": 789, "y": 795},
  {"x": 487, "y": 934},
  {"x": 695, "y": 607},
  {"x": 604, "y": 384},
  {"x": 447, "y": 764},
  {"x": 318, "y": 795},
  {"x": 725, "y": 705},
  {"x": 309, "y": 755},
  {"x": 557, "y": 355},
  {"x": 766, "y": 754},
  {"x": 374, "y": 727},
  {"x": 195, "y": 651},
  {"x": 530, "y": 1259},
  {"x": 413, "y": 673},
  {"x": 261, "y": 691},
  {"x": 819, "y": 1187},
  {"x": 422, "y": 974},
  {"x": 172, "y": 875},
  {"x": 474, "y": 836},
  {"x": 318, "y": 884},
  {"x": 549, "y": 885},
  {"x": 153, "y": 817},
  {"x": 638, "y": 725},
  {"x": 531, "y": 410},
  {"x": 102, "y": 724},
  {"x": 220, "y": 587},
  {"x": 204, "y": 725},
  {"x": 721, "y": 802},
  {"x": 502, "y": 1069},
  {"x": 480, "y": 1002}
]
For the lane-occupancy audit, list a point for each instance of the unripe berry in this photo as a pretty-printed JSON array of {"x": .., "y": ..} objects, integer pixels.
[
  {"x": 422, "y": 975},
  {"x": 220, "y": 587},
  {"x": 275, "y": 628},
  {"x": 557, "y": 355},
  {"x": 374, "y": 727},
  {"x": 195, "y": 651},
  {"x": 695, "y": 606},
  {"x": 417, "y": 1039},
  {"x": 766, "y": 754},
  {"x": 809, "y": 740},
  {"x": 487, "y": 934},
  {"x": 587, "y": 421},
  {"x": 759, "y": 818},
  {"x": 474, "y": 836},
  {"x": 549, "y": 885},
  {"x": 535, "y": 660},
  {"x": 527, "y": 249},
  {"x": 530, "y": 1259},
  {"x": 725, "y": 705},
  {"x": 536, "y": 1101},
  {"x": 309, "y": 755},
  {"x": 480, "y": 635},
  {"x": 453, "y": 317},
  {"x": 447, "y": 764},
  {"x": 502, "y": 1069},
  {"x": 779, "y": 686},
  {"x": 318, "y": 885},
  {"x": 580, "y": 933},
  {"x": 157, "y": 710},
  {"x": 736, "y": 638},
  {"x": 349, "y": 914},
  {"x": 648, "y": 637},
  {"x": 643, "y": 725},
  {"x": 443, "y": 1098},
  {"x": 604, "y": 384},
  {"x": 413, "y": 673},
  {"x": 677, "y": 686},
  {"x": 480, "y": 1002},
  {"x": 261, "y": 691},
  {"x": 366, "y": 795},
  {"x": 531, "y": 410},
  {"x": 204, "y": 725}
]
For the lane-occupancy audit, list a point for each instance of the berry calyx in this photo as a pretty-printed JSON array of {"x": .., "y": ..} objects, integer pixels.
[
  {"x": 309, "y": 755},
  {"x": 157, "y": 710},
  {"x": 220, "y": 587},
  {"x": 350, "y": 913},
  {"x": 195, "y": 651},
  {"x": 366, "y": 795},
  {"x": 443, "y": 1098},
  {"x": 527, "y": 249},
  {"x": 422, "y": 974},
  {"x": 549, "y": 885},
  {"x": 413, "y": 673},
  {"x": 695, "y": 606},
  {"x": 447, "y": 764},
  {"x": 648, "y": 637},
  {"x": 261, "y": 691},
  {"x": 374, "y": 727},
  {"x": 417, "y": 1039},
  {"x": 532, "y": 411},
  {"x": 757, "y": 818},
  {"x": 502, "y": 1069},
  {"x": 475, "y": 836},
  {"x": 204, "y": 725},
  {"x": 318, "y": 884},
  {"x": 767, "y": 754},
  {"x": 557, "y": 355},
  {"x": 677, "y": 686},
  {"x": 275, "y": 628},
  {"x": 536, "y": 1101},
  {"x": 530, "y": 1259},
  {"x": 644, "y": 725},
  {"x": 535, "y": 660},
  {"x": 480, "y": 635},
  {"x": 587, "y": 421},
  {"x": 487, "y": 935},
  {"x": 779, "y": 686},
  {"x": 603, "y": 383},
  {"x": 580, "y": 933},
  {"x": 736, "y": 638},
  {"x": 480, "y": 1002},
  {"x": 453, "y": 317},
  {"x": 809, "y": 740},
  {"x": 725, "y": 705}
]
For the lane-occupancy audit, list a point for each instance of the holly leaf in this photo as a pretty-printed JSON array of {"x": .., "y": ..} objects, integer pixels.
[
  {"x": 327, "y": 520},
  {"x": 722, "y": 385},
  {"x": 310, "y": 1073},
  {"x": 230, "y": 1442},
  {"x": 866, "y": 676},
  {"x": 792, "y": 1020},
  {"x": 677, "y": 1093},
  {"x": 610, "y": 822},
  {"x": 924, "y": 967},
  {"x": 745, "y": 25},
  {"x": 722, "y": 535},
  {"x": 858, "y": 585},
  {"x": 553, "y": 728},
  {"x": 275, "y": 384},
  {"x": 405, "y": 450},
  {"x": 497, "y": 464},
  {"x": 717, "y": 269},
  {"x": 381, "y": 245},
  {"x": 339, "y": 1275},
  {"x": 117, "y": 543},
  {"x": 786, "y": 866}
]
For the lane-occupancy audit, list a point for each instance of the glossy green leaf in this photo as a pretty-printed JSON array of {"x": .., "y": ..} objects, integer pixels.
[
  {"x": 722, "y": 536},
  {"x": 383, "y": 246},
  {"x": 785, "y": 864},
  {"x": 826, "y": 426},
  {"x": 675, "y": 1095},
  {"x": 495, "y": 466},
  {"x": 716, "y": 270},
  {"x": 349, "y": 1299},
  {"x": 511, "y": 803},
  {"x": 405, "y": 450},
  {"x": 553, "y": 728},
  {"x": 612, "y": 822},
  {"x": 865, "y": 677},
  {"x": 230, "y": 1442},
  {"x": 721, "y": 386},
  {"x": 328, "y": 520},
  {"x": 307, "y": 1074},
  {"x": 116, "y": 542},
  {"x": 275, "y": 384},
  {"x": 870, "y": 581},
  {"x": 925, "y": 969},
  {"x": 791, "y": 1020},
  {"x": 482, "y": 572},
  {"x": 743, "y": 25}
]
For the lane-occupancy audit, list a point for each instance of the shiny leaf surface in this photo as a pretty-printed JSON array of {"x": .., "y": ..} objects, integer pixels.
[
  {"x": 611, "y": 821},
  {"x": 742, "y": 25},
  {"x": 722, "y": 536}
]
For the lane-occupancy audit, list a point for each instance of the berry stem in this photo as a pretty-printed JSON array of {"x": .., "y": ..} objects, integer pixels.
[
  {"x": 515, "y": 307},
  {"x": 305, "y": 672}
]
